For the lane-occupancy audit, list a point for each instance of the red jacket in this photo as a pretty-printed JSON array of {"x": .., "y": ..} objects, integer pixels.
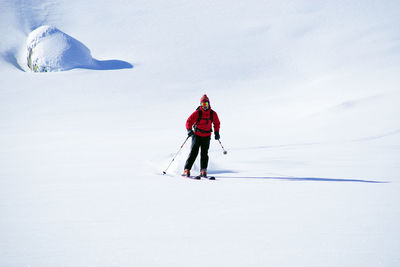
[{"x": 204, "y": 123}]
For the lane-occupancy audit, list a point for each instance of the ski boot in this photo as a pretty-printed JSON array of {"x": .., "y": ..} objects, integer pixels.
[
  {"x": 186, "y": 173},
  {"x": 203, "y": 174}
]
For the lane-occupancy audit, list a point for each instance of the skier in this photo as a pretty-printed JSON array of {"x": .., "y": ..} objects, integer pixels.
[{"x": 201, "y": 121}]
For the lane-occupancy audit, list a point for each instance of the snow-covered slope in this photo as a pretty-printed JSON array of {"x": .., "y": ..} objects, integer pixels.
[{"x": 307, "y": 93}]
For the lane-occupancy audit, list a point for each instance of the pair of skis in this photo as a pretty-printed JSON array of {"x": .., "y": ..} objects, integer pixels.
[{"x": 198, "y": 177}]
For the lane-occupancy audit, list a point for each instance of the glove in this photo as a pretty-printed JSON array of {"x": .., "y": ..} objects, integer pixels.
[
  {"x": 190, "y": 132},
  {"x": 217, "y": 136}
]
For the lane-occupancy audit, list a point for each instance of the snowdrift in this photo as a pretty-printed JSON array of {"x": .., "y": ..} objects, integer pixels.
[{"x": 48, "y": 49}]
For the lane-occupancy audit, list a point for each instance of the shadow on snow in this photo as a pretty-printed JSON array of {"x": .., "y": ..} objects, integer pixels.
[
  {"x": 109, "y": 65},
  {"x": 10, "y": 57},
  {"x": 312, "y": 179}
]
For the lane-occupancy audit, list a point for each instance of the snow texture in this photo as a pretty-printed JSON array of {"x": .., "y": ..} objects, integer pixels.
[{"x": 308, "y": 97}]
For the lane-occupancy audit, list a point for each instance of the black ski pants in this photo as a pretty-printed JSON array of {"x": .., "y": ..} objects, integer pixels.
[{"x": 197, "y": 143}]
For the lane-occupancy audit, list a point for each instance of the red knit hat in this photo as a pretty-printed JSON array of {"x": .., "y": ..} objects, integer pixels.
[{"x": 204, "y": 98}]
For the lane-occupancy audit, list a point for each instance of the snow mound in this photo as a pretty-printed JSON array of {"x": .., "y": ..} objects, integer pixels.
[{"x": 49, "y": 49}]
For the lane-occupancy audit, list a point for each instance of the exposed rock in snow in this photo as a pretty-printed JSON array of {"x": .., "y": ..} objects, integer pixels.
[{"x": 49, "y": 49}]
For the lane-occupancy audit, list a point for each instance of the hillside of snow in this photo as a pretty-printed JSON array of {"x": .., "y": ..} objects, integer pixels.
[{"x": 308, "y": 97}]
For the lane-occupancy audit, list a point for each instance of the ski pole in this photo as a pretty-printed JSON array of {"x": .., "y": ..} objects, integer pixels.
[
  {"x": 164, "y": 172},
  {"x": 225, "y": 152}
]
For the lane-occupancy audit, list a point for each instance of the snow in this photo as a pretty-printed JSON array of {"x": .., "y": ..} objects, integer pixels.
[
  {"x": 49, "y": 49},
  {"x": 307, "y": 93}
]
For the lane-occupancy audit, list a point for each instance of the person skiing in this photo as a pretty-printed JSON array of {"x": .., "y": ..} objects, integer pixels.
[{"x": 198, "y": 126}]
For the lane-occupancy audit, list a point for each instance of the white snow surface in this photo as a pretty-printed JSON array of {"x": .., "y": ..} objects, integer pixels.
[{"x": 308, "y": 96}]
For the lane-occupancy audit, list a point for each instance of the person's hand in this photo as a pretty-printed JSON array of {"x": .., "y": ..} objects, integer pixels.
[
  {"x": 190, "y": 132},
  {"x": 217, "y": 136}
]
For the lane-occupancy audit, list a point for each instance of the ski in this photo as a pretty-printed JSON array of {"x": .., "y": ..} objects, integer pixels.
[
  {"x": 207, "y": 177},
  {"x": 198, "y": 177},
  {"x": 191, "y": 177}
]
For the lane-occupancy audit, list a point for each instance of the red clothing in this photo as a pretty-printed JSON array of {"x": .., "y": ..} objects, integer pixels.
[{"x": 204, "y": 123}]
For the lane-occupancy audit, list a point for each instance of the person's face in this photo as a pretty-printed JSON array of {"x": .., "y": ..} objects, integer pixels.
[{"x": 205, "y": 105}]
